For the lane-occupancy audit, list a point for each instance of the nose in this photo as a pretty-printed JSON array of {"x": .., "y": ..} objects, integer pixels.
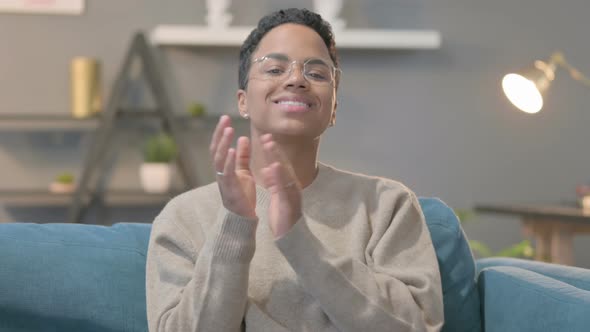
[{"x": 296, "y": 78}]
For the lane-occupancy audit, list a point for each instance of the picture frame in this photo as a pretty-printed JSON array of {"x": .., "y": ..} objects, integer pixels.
[{"x": 63, "y": 7}]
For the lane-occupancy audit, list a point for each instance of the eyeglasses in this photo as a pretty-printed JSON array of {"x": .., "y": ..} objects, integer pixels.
[{"x": 278, "y": 68}]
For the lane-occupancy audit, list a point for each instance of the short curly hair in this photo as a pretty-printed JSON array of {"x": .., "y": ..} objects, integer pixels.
[{"x": 271, "y": 21}]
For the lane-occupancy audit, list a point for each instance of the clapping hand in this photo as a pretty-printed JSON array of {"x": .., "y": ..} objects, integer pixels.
[
  {"x": 285, "y": 191},
  {"x": 238, "y": 186},
  {"x": 232, "y": 167}
]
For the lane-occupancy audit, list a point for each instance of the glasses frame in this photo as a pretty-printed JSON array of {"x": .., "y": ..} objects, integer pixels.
[{"x": 335, "y": 70}]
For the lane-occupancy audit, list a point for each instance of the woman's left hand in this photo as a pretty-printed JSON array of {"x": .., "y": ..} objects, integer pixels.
[{"x": 285, "y": 191}]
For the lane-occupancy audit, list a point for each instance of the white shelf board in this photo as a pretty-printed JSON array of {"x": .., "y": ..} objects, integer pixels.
[
  {"x": 43, "y": 197},
  {"x": 191, "y": 35},
  {"x": 45, "y": 122}
]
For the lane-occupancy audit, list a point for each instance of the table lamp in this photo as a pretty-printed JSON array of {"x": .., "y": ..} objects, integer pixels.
[{"x": 525, "y": 89}]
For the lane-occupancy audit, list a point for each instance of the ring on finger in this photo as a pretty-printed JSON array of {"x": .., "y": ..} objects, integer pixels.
[
  {"x": 289, "y": 185},
  {"x": 219, "y": 173}
]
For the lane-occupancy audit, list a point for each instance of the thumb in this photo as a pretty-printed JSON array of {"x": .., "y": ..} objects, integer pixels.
[{"x": 272, "y": 178}]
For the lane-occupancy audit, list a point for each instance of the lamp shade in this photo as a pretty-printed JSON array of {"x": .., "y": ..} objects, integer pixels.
[{"x": 525, "y": 89}]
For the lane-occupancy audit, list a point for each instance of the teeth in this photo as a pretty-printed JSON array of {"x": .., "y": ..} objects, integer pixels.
[{"x": 290, "y": 102}]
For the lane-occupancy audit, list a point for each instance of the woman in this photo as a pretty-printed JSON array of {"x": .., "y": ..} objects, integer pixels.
[{"x": 281, "y": 242}]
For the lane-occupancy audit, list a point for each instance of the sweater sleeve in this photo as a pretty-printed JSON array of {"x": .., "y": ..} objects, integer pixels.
[
  {"x": 198, "y": 282},
  {"x": 397, "y": 289}
]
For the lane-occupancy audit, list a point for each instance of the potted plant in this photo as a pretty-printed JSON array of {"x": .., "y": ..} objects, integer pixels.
[
  {"x": 522, "y": 249},
  {"x": 156, "y": 171},
  {"x": 63, "y": 183},
  {"x": 196, "y": 110}
]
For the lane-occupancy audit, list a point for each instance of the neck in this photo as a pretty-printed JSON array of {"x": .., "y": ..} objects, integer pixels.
[{"x": 302, "y": 156}]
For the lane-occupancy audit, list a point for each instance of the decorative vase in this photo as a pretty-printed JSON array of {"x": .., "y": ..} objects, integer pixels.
[
  {"x": 217, "y": 15},
  {"x": 329, "y": 10},
  {"x": 155, "y": 177},
  {"x": 86, "y": 99}
]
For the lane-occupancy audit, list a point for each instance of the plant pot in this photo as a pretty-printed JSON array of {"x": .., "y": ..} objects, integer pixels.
[
  {"x": 155, "y": 177},
  {"x": 61, "y": 188}
]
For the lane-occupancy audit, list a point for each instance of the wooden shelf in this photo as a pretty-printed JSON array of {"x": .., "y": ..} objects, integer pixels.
[
  {"x": 190, "y": 35},
  {"x": 44, "y": 198},
  {"x": 65, "y": 122},
  {"x": 41, "y": 122}
]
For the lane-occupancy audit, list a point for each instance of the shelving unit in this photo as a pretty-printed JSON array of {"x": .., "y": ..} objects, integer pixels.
[
  {"x": 191, "y": 35},
  {"x": 141, "y": 62},
  {"x": 32, "y": 122},
  {"x": 59, "y": 123},
  {"x": 46, "y": 122},
  {"x": 44, "y": 198}
]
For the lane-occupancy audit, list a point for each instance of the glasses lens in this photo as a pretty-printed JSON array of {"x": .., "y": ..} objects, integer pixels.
[
  {"x": 272, "y": 68},
  {"x": 316, "y": 71}
]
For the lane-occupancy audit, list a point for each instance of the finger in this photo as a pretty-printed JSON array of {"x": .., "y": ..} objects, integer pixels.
[
  {"x": 266, "y": 138},
  {"x": 281, "y": 181},
  {"x": 222, "y": 148},
  {"x": 269, "y": 155},
  {"x": 274, "y": 154},
  {"x": 225, "y": 181},
  {"x": 224, "y": 122},
  {"x": 230, "y": 166},
  {"x": 243, "y": 154},
  {"x": 269, "y": 179}
]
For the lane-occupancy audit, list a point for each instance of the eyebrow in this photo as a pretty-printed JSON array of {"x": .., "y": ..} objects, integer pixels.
[
  {"x": 318, "y": 61},
  {"x": 282, "y": 56},
  {"x": 278, "y": 56}
]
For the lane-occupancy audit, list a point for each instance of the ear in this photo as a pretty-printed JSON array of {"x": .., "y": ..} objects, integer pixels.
[{"x": 242, "y": 103}]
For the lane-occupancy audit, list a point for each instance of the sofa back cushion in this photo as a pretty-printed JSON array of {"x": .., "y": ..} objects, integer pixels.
[
  {"x": 64, "y": 277},
  {"x": 457, "y": 267},
  {"x": 575, "y": 276}
]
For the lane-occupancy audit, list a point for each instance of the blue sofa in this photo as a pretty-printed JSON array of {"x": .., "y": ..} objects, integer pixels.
[{"x": 67, "y": 277}]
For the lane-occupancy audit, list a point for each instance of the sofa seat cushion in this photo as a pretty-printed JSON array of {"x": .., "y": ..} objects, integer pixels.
[
  {"x": 575, "y": 276},
  {"x": 457, "y": 267},
  {"x": 516, "y": 299},
  {"x": 65, "y": 277}
]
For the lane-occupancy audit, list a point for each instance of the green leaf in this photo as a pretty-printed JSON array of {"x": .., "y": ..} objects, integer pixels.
[
  {"x": 480, "y": 249},
  {"x": 65, "y": 177},
  {"x": 159, "y": 148},
  {"x": 522, "y": 250},
  {"x": 197, "y": 109},
  {"x": 464, "y": 214}
]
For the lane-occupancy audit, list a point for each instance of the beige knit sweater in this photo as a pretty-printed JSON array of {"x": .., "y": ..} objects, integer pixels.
[{"x": 360, "y": 259}]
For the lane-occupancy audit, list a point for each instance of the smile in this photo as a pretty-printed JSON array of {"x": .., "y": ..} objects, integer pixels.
[
  {"x": 292, "y": 106},
  {"x": 294, "y": 103}
]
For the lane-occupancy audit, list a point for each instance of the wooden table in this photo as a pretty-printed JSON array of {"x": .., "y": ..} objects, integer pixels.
[{"x": 552, "y": 227}]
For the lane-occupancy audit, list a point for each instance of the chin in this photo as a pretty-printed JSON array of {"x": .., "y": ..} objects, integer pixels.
[{"x": 303, "y": 134}]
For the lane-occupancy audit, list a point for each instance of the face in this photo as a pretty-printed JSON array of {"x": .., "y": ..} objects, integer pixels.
[{"x": 292, "y": 104}]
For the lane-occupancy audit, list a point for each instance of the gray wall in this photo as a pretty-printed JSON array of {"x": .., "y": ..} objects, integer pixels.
[{"x": 436, "y": 120}]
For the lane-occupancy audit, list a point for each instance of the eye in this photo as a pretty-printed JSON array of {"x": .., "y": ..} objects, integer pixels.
[
  {"x": 316, "y": 75},
  {"x": 275, "y": 71}
]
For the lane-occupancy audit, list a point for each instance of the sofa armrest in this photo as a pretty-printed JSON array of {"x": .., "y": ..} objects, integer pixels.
[
  {"x": 575, "y": 276},
  {"x": 515, "y": 299}
]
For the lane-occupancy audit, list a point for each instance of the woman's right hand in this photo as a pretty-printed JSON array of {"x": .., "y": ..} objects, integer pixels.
[{"x": 232, "y": 167}]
